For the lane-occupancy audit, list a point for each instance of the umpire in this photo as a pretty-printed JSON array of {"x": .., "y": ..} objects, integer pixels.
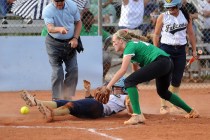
[{"x": 62, "y": 19}]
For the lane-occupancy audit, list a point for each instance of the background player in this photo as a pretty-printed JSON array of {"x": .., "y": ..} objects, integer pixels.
[{"x": 173, "y": 27}]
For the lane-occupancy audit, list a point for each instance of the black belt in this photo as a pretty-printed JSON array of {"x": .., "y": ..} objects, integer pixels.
[
  {"x": 178, "y": 46},
  {"x": 175, "y": 46},
  {"x": 59, "y": 40}
]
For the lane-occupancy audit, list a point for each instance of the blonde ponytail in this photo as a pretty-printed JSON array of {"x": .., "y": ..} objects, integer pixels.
[{"x": 127, "y": 36}]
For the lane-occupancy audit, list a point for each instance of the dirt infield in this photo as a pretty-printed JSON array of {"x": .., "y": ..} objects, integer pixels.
[{"x": 15, "y": 126}]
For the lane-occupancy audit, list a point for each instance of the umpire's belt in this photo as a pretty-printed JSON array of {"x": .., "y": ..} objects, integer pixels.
[{"x": 59, "y": 40}]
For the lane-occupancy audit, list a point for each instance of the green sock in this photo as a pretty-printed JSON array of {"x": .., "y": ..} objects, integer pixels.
[
  {"x": 176, "y": 100},
  {"x": 134, "y": 98}
]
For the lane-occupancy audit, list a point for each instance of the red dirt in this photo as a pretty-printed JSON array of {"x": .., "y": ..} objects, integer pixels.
[{"x": 14, "y": 125}]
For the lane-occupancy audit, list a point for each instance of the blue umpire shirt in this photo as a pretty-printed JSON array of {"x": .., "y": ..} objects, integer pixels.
[{"x": 62, "y": 18}]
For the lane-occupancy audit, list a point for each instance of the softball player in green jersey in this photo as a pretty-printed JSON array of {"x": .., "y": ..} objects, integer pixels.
[{"x": 154, "y": 63}]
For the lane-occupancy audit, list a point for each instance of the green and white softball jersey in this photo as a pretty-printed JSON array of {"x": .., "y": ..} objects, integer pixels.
[
  {"x": 142, "y": 52},
  {"x": 174, "y": 29}
]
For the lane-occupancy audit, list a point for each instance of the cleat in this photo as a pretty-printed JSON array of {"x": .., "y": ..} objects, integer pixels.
[
  {"x": 28, "y": 98},
  {"x": 46, "y": 112},
  {"x": 135, "y": 119},
  {"x": 164, "y": 110},
  {"x": 193, "y": 114}
]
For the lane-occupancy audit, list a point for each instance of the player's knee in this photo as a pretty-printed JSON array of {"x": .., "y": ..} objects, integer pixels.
[
  {"x": 128, "y": 83},
  {"x": 164, "y": 94},
  {"x": 176, "y": 82}
]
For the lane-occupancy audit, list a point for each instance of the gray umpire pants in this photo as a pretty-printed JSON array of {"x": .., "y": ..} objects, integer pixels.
[{"x": 63, "y": 87}]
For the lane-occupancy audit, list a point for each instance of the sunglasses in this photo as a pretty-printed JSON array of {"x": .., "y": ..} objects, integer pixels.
[{"x": 174, "y": 7}]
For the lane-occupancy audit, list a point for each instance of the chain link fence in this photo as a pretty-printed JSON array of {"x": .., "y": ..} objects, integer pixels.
[{"x": 111, "y": 18}]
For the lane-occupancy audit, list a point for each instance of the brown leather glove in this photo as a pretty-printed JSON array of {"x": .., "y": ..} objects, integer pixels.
[{"x": 102, "y": 94}]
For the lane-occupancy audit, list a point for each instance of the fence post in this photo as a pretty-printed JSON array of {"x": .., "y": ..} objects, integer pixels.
[{"x": 99, "y": 17}]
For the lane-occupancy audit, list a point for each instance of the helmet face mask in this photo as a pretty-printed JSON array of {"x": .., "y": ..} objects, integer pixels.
[{"x": 117, "y": 91}]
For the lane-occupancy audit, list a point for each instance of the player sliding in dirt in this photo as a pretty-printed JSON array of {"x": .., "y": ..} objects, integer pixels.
[{"x": 83, "y": 108}]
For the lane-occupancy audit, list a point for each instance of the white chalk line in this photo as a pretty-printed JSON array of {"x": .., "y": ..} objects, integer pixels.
[{"x": 92, "y": 130}]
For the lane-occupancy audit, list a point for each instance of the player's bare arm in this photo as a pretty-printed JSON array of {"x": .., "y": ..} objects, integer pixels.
[
  {"x": 158, "y": 27},
  {"x": 121, "y": 71},
  {"x": 74, "y": 40},
  {"x": 52, "y": 29},
  {"x": 134, "y": 66},
  {"x": 192, "y": 38}
]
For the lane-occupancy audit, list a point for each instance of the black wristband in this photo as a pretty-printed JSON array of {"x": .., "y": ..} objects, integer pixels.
[{"x": 75, "y": 38}]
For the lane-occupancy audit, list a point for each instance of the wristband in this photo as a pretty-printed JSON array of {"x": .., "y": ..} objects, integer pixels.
[{"x": 75, "y": 38}]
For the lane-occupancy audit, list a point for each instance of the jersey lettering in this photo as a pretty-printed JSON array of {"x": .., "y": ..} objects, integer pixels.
[{"x": 175, "y": 28}]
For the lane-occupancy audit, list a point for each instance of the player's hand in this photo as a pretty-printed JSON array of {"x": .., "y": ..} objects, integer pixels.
[
  {"x": 73, "y": 42},
  {"x": 63, "y": 30},
  {"x": 86, "y": 85},
  {"x": 195, "y": 55},
  {"x": 102, "y": 94}
]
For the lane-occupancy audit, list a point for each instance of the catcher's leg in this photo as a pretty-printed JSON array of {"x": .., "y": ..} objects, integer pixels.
[
  {"x": 63, "y": 110},
  {"x": 86, "y": 108},
  {"x": 51, "y": 104},
  {"x": 46, "y": 112},
  {"x": 32, "y": 101},
  {"x": 28, "y": 98}
]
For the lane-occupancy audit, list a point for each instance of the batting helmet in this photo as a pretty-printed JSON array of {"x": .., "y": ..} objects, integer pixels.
[
  {"x": 120, "y": 83},
  {"x": 172, "y": 3}
]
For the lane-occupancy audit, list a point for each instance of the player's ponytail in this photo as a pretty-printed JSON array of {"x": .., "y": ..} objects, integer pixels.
[
  {"x": 186, "y": 14},
  {"x": 127, "y": 36},
  {"x": 123, "y": 34},
  {"x": 139, "y": 37}
]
